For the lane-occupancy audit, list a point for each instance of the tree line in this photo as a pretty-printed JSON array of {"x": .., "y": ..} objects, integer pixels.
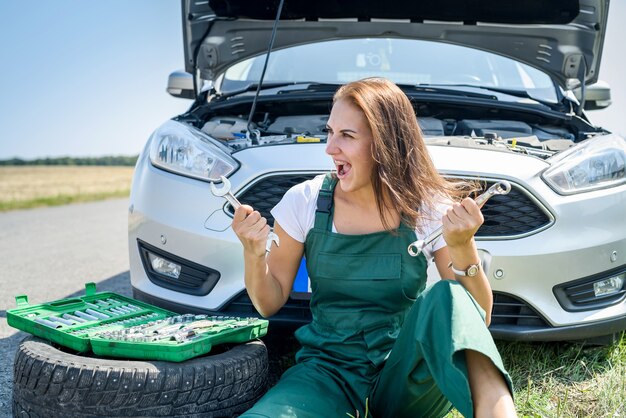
[{"x": 106, "y": 160}]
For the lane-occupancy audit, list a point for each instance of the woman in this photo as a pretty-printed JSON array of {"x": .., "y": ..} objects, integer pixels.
[{"x": 379, "y": 343}]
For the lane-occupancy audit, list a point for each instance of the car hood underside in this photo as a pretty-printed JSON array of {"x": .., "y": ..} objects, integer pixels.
[{"x": 563, "y": 38}]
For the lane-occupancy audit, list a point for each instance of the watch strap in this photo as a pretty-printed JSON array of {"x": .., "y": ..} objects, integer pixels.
[{"x": 470, "y": 271}]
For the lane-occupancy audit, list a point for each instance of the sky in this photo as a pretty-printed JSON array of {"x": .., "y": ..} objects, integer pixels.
[{"x": 87, "y": 78}]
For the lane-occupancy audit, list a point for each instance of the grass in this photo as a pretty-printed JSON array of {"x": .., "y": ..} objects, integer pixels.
[
  {"x": 567, "y": 379},
  {"x": 23, "y": 187}
]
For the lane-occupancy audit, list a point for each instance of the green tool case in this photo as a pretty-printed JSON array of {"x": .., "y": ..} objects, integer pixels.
[{"x": 113, "y": 325}]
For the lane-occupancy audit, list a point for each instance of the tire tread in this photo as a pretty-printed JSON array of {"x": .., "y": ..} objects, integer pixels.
[{"x": 52, "y": 383}]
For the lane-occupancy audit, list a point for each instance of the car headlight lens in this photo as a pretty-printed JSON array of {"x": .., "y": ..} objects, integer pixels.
[
  {"x": 183, "y": 150},
  {"x": 596, "y": 163}
]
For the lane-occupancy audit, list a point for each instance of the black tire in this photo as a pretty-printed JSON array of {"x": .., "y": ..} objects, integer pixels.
[{"x": 49, "y": 382}]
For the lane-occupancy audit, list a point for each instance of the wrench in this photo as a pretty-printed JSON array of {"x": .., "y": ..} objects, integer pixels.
[
  {"x": 502, "y": 187},
  {"x": 225, "y": 192}
]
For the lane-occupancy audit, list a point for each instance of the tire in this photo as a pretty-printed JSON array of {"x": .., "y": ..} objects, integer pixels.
[{"x": 49, "y": 382}]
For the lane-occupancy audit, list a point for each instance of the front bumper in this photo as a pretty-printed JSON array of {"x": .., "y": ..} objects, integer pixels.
[{"x": 565, "y": 333}]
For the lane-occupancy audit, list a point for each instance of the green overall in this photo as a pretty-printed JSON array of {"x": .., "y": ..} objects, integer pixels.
[{"x": 377, "y": 335}]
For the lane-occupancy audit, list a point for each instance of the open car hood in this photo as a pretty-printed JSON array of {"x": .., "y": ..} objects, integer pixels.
[{"x": 563, "y": 38}]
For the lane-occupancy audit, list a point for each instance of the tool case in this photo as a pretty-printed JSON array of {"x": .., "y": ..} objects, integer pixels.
[{"x": 113, "y": 325}]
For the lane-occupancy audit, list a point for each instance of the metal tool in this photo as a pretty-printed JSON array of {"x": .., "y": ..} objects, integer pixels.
[
  {"x": 73, "y": 318},
  {"x": 116, "y": 311},
  {"x": 97, "y": 314},
  {"x": 47, "y": 323},
  {"x": 85, "y": 316},
  {"x": 225, "y": 192},
  {"x": 61, "y": 320},
  {"x": 501, "y": 188},
  {"x": 180, "y": 328}
]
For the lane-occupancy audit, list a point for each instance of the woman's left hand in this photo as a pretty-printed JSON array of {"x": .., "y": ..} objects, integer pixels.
[{"x": 461, "y": 222}]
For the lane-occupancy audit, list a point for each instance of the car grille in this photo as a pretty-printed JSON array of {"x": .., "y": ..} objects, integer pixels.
[
  {"x": 511, "y": 311},
  {"x": 264, "y": 194},
  {"x": 507, "y": 311},
  {"x": 294, "y": 311},
  {"x": 505, "y": 215}
]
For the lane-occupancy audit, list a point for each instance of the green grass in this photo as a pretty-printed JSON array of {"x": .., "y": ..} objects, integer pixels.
[
  {"x": 566, "y": 379},
  {"x": 60, "y": 199}
]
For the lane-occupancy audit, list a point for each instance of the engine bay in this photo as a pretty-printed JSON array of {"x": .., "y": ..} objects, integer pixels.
[
  {"x": 301, "y": 117},
  {"x": 501, "y": 135}
]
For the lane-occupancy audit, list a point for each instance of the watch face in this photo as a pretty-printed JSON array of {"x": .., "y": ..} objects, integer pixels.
[{"x": 472, "y": 270}]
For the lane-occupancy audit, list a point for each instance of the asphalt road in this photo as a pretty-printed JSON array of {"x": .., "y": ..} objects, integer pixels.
[{"x": 49, "y": 254}]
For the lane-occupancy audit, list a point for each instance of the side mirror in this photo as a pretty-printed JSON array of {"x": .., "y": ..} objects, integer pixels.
[
  {"x": 180, "y": 84},
  {"x": 597, "y": 96}
]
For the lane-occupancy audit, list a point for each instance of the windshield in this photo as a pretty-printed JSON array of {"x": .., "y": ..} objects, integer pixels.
[{"x": 400, "y": 60}]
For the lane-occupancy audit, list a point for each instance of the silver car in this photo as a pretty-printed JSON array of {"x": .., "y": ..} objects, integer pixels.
[{"x": 500, "y": 94}]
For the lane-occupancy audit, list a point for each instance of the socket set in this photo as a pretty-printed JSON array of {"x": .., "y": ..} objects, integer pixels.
[{"x": 113, "y": 325}]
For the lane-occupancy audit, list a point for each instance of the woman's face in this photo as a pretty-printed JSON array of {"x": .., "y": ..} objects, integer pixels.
[{"x": 350, "y": 146}]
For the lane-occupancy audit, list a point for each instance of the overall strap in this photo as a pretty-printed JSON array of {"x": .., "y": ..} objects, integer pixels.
[{"x": 324, "y": 210}]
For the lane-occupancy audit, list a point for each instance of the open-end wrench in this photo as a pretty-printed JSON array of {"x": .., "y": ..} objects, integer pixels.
[
  {"x": 502, "y": 187},
  {"x": 225, "y": 192}
]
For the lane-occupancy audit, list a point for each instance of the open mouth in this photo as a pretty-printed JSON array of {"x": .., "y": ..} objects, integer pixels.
[{"x": 343, "y": 169}]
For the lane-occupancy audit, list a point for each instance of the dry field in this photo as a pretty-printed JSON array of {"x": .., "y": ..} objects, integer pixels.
[{"x": 31, "y": 186}]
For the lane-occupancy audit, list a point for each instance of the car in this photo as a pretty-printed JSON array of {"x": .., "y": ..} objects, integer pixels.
[{"x": 501, "y": 92}]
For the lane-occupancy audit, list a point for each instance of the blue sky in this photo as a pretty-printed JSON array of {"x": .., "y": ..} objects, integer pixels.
[{"x": 87, "y": 78}]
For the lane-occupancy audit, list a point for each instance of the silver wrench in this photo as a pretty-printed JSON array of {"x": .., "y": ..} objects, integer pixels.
[
  {"x": 225, "y": 192},
  {"x": 502, "y": 187}
]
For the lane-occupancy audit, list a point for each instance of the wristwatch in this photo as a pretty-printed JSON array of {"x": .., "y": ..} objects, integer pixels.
[{"x": 471, "y": 271}]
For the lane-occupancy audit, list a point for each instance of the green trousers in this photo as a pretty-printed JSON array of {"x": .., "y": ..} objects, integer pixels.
[{"x": 424, "y": 376}]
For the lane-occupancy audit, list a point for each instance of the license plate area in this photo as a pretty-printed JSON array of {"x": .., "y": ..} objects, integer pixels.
[{"x": 302, "y": 284}]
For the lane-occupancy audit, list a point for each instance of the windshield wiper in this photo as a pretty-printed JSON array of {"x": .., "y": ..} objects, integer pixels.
[
  {"x": 310, "y": 86},
  {"x": 432, "y": 88},
  {"x": 255, "y": 86},
  {"x": 511, "y": 92}
]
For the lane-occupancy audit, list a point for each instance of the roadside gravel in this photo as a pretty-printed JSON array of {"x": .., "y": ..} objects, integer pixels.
[{"x": 49, "y": 254}]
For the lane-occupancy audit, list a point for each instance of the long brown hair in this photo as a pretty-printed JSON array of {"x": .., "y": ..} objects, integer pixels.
[{"x": 404, "y": 177}]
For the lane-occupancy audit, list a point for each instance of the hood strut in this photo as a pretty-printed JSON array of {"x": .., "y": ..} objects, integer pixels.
[
  {"x": 253, "y": 136},
  {"x": 583, "y": 88}
]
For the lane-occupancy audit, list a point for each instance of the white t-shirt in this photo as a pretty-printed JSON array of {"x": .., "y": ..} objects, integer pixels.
[{"x": 296, "y": 214}]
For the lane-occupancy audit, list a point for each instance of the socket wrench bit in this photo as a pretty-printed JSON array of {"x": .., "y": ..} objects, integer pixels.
[
  {"x": 97, "y": 314},
  {"x": 61, "y": 320},
  {"x": 47, "y": 323},
  {"x": 73, "y": 318},
  {"x": 85, "y": 316}
]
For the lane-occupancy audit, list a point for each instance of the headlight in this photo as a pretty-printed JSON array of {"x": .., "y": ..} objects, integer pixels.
[
  {"x": 183, "y": 150},
  {"x": 596, "y": 163}
]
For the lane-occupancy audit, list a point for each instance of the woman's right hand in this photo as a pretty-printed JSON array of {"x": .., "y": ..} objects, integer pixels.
[{"x": 251, "y": 229}]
